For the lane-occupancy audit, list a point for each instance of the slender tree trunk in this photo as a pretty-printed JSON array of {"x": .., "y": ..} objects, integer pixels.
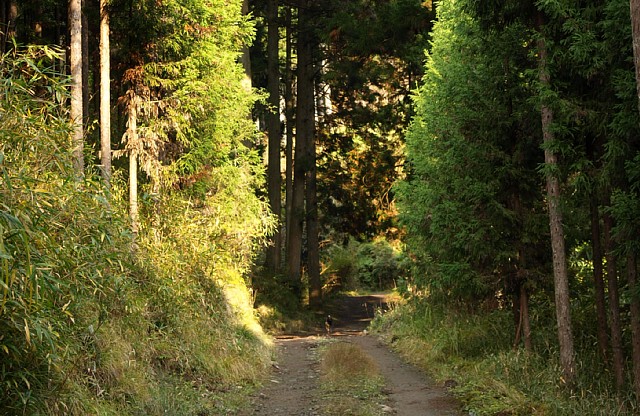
[
  {"x": 632, "y": 279},
  {"x": 274, "y": 180},
  {"x": 75, "y": 22},
  {"x": 304, "y": 125},
  {"x": 105, "y": 93},
  {"x": 132, "y": 144},
  {"x": 560, "y": 274},
  {"x": 598, "y": 279},
  {"x": 313, "y": 249},
  {"x": 313, "y": 246},
  {"x": 614, "y": 305},
  {"x": 634, "y": 6},
  {"x": 289, "y": 116},
  {"x": 85, "y": 67},
  {"x": 526, "y": 322}
]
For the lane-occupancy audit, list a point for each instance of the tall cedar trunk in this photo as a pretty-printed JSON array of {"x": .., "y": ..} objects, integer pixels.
[
  {"x": 521, "y": 278},
  {"x": 560, "y": 275},
  {"x": 524, "y": 295},
  {"x": 274, "y": 181},
  {"x": 598, "y": 279},
  {"x": 85, "y": 67},
  {"x": 634, "y": 6},
  {"x": 289, "y": 116},
  {"x": 614, "y": 305},
  {"x": 132, "y": 144},
  {"x": 105, "y": 93},
  {"x": 313, "y": 249},
  {"x": 526, "y": 322},
  {"x": 632, "y": 279},
  {"x": 75, "y": 24},
  {"x": 304, "y": 119}
]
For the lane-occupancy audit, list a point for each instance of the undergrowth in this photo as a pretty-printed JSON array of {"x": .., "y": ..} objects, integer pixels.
[
  {"x": 91, "y": 323},
  {"x": 473, "y": 352}
]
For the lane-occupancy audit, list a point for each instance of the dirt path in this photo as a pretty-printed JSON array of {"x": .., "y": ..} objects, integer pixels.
[{"x": 291, "y": 390}]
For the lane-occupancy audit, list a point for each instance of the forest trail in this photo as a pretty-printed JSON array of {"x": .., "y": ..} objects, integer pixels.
[{"x": 292, "y": 388}]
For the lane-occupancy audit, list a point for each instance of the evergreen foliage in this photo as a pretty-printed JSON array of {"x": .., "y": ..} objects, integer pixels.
[
  {"x": 371, "y": 60},
  {"x": 472, "y": 193}
]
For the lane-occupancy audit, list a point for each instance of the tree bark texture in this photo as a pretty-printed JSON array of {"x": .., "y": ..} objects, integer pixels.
[
  {"x": 313, "y": 246},
  {"x": 560, "y": 274},
  {"x": 614, "y": 305},
  {"x": 304, "y": 119},
  {"x": 132, "y": 145},
  {"x": 75, "y": 22},
  {"x": 307, "y": 132},
  {"x": 526, "y": 322},
  {"x": 105, "y": 93},
  {"x": 290, "y": 122},
  {"x": 274, "y": 180},
  {"x": 85, "y": 66},
  {"x": 598, "y": 279},
  {"x": 632, "y": 279},
  {"x": 634, "y": 6}
]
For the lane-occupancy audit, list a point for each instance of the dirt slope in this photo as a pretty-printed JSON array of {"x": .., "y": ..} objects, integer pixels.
[{"x": 291, "y": 390}]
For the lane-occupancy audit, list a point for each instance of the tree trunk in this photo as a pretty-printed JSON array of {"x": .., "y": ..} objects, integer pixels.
[
  {"x": 307, "y": 133},
  {"x": 614, "y": 305},
  {"x": 598, "y": 279},
  {"x": 290, "y": 120},
  {"x": 75, "y": 24},
  {"x": 274, "y": 180},
  {"x": 560, "y": 275},
  {"x": 105, "y": 93},
  {"x": 313, "y": 246},
  {"x": 304, "y": 125},
  {"x": 132, "y": 145},
  {"x": 526, "y": 322},
  {"x": 85, "y": 67},
  {"x": 632, "y": 279},
  {"x": 634, "y": 6}
]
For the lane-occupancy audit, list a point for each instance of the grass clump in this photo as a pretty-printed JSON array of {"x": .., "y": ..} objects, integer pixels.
[{"x": 351, "y": 383}]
